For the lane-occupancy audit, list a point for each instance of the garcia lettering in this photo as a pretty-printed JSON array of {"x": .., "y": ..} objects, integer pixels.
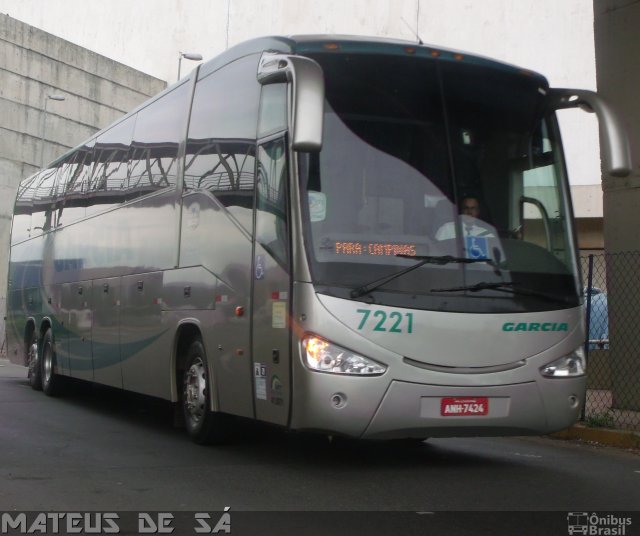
[{"x": 535, "y": 326}]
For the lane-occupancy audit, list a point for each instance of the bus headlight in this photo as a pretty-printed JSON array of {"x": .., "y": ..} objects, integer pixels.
[
  {"x": 324, "y": 356},
  {"x": 572, "y": 364}
]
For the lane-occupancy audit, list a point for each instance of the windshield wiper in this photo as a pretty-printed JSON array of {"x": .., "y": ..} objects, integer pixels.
[
  {"x": 423, "y": 259},
  {"x": 508, "y": 287}
]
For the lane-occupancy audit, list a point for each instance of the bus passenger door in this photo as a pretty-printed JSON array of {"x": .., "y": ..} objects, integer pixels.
[{"x": 271, "y": 286}]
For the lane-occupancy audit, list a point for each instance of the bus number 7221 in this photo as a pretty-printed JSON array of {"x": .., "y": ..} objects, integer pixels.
[{"x": 394, "y": 322}]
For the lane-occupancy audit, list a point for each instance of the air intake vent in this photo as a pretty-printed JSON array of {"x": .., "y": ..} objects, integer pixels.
[{"x": 464, "y": 370}]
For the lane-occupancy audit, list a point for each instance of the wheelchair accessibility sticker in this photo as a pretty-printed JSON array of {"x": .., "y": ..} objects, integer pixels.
[{"x": 477, "y": 247}]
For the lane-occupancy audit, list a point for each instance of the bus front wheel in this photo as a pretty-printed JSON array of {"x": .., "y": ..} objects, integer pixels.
[{"x": 203, "y": 425}]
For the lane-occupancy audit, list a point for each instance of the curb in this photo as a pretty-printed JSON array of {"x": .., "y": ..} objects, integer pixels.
[{"x": 615, "y": 438}]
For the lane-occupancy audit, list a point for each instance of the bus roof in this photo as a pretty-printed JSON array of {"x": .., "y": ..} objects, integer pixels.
[
  {"x": 310, "y": 44},
  {"x": 306, "y": 44}
]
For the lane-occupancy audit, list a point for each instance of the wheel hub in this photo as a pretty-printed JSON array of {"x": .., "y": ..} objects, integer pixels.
[
  {"x": 47, "y": 363},
  {"x": 195, "y": 390},
  {"x": 33, "y": 358}
]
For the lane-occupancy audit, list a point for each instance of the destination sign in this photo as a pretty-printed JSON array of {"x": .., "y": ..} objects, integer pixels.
[{"x": 387, "y": 249}]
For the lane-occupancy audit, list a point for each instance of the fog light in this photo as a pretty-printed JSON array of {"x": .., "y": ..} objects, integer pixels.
[{"x": 339, "y": 400}]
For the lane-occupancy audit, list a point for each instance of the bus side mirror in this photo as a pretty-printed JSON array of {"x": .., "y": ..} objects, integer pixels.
[
  {"x": 307, "y": 102},
  {"x": 613, "y": 138}
]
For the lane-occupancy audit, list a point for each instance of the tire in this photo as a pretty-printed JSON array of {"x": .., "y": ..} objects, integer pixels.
[
  {"x": 51, "y": 380},
  {"x": 33, "y": 362},
  {"x": 203, "y": 425}
]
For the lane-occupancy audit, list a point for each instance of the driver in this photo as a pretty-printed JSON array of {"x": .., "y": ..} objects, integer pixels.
[{"x": 470, "y": 222}]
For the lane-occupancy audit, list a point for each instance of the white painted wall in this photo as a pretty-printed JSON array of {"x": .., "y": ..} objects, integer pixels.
[{"x": 550, "y": 36}]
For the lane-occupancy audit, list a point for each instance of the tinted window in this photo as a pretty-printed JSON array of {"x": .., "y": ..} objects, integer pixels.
[
  {"x": 43, "y": 201},
  {"x": 449, "y": 161},
  {"x": 74, "y": 184},
  {"x": 222, "y": 131},
  {"x": 273, "y": 109},
  {"x": 109, "y": 175},
  {"x": 158, "y": 131},
  {"x": 271, "y": 201},
  {"x": 22, "y": 211},
  {"x": 225, "y": 105}
]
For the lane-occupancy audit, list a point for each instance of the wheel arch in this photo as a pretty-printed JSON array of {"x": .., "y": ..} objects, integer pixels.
[{"x": 45, "y": 325}]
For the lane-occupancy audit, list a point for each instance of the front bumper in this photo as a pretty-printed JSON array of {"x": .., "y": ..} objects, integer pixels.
[{"x": 407, "y": 409}]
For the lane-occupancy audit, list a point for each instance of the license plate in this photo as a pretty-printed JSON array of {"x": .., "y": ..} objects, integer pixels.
[{"x": 464, "y": 407}]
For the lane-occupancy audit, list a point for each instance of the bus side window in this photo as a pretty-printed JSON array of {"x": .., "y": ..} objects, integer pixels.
[
  {"x": 21, "y": 227},
  {"x": 43, "y": 201},
  {"x": 273, "y": 109},
  {"x": 154, "y": 152},
  {"x": 110, "y": 167},
  {"x": 220, "y": 156},
  {"x": 65, "y": 177},
  {"x": 75, "y": 185}
]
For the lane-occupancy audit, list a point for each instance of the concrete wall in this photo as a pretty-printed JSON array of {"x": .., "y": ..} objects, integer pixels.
[
  {"x": 617, "y": 52},
  {"x": 33, "y": 65}
]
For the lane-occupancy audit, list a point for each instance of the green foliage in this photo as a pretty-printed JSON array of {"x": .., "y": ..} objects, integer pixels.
[{"x": 604, "y": 419}]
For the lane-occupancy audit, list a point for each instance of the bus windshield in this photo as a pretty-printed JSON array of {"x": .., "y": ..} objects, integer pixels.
[{"x": 441, "y": 160}]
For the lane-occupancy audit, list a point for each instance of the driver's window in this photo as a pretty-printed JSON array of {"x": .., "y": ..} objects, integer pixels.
[{"x": 271, "y": 200}]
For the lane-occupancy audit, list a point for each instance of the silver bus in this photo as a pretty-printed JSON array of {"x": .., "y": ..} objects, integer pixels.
[{"x": 277, "y": 237}]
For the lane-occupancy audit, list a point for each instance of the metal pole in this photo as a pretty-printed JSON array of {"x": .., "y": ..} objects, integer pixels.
[
  {"x": 44, "y": 125},
  {"x": 588, "y": 324},
  {"x": 588, "y": 312}
]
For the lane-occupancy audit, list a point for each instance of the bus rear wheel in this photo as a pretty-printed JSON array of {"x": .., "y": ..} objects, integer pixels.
[
  {"x": 51, "y": 380},
  {"x": 33, "y": 362},
  {"x": 203, "y": 425}
]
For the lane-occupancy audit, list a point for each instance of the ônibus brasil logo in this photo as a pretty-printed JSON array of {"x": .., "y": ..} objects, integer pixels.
[
  {"x": 535, "y": 326},
  {"x": 597, "y": 524}
]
